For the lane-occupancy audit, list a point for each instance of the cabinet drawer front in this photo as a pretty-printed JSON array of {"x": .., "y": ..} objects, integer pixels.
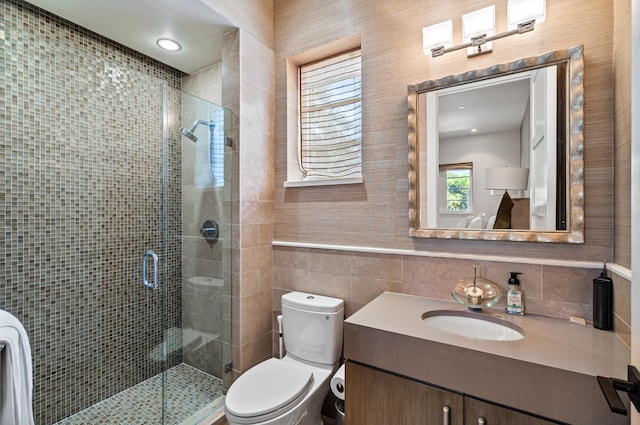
[
  {"x": 478, "y": 412},
  {"x": 373, "y": 397}
]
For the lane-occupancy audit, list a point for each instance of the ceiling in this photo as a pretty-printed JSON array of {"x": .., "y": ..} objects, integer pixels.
[
  {"x": 137, "y": 24},
  {"x": 492, "y": 108}
]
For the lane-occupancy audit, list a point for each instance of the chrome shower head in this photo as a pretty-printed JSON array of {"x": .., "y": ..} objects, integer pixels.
[{"x": 190, "y": 132}]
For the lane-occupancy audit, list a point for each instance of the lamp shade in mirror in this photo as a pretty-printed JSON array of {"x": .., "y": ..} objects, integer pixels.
[{"x": 506, "y": 178}]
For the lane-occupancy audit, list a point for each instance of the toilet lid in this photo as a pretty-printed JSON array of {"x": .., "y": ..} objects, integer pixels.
[{"x": 267, "y": 387}]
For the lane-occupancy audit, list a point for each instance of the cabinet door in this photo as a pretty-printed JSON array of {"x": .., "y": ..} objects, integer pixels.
[
  {"x": 478, "y": 412},
  {"x": 373, "y": 397}
]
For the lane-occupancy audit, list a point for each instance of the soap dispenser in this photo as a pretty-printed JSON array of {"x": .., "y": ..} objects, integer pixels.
[
  {"x": 515, "y": 300},
  {"x": 602, "y": 300}
]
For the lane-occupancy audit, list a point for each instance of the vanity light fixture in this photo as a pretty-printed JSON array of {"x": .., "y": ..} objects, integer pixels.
[
  {"x": 437, "y": 37},
  {"x": 168, "y": 44},
  {"x": 478, "y": 28},
  {"x": 519, "y": 11}
]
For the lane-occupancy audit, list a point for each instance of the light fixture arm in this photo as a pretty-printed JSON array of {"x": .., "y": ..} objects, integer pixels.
[{"x": 480, "y": 40}]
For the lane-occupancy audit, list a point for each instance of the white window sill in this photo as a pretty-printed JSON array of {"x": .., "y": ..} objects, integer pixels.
[
  {"x": 330, "y": 182},
  {"x": 461, "y": 213}
]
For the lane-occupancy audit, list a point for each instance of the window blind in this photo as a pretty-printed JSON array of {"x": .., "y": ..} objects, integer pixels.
[{"x": 330, "y": 117}]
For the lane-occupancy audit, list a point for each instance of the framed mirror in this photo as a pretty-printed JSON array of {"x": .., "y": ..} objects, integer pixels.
[{"x": 497, "y": 153}]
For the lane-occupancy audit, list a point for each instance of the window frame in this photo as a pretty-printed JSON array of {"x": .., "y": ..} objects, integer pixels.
[
  {"x": 443, "y": 201},
  {"x": 349, "y": 96},
  {"x": 295, "y": 176}
]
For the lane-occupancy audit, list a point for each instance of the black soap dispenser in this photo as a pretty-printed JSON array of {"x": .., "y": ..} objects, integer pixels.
[{"x": 602, "y": 300}]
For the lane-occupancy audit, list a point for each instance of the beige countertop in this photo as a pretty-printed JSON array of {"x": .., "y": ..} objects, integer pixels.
[{"x": 390, "y": 333}]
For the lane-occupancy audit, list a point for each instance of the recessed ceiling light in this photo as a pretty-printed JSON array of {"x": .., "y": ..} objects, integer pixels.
[
  {"x": 168, "y": 44},
  {"x": 473, "y": 130},
  {"x": 461, "y": 107}
]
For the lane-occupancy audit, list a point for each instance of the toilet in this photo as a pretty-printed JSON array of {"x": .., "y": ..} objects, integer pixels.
[{"x": 291, "y": 390}]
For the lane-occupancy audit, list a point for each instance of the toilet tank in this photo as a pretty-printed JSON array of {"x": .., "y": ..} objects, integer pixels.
[{"x": 312, "y": 327}]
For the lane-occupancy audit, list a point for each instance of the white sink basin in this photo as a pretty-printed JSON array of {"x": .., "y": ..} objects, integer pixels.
[{"x": 473, "y": 325}]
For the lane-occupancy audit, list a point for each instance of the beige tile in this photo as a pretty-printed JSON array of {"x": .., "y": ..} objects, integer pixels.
[
  {"x": 622, "y": 298},
  {"x": 328, "y": 284},
  {"x": 378, "y": 266},
  {"x": 256, "y": 258},
  {"x": 256, "y": 212},
  {"x": 328, "y": 261},
  {"x": 351, "y": 307},
  {"x": 499, "y": 273},
  {"x": 249, "y": 235},
  {"x": 277, "y": 300},
  {"x": 568, "y": 285},
  {"x": 256, "y": 351},
  {"x": 250, "y": 283},
  {"x": 249, "y": 326},
  {"x": 365, "y": 289},
  {"x": 558, "y": 309},
  {"x": 622, "y": 329},
  {"x": 289, "y": 279},
  {"x": 266, "y": 234},
  {"x": 293, "y": 258}
]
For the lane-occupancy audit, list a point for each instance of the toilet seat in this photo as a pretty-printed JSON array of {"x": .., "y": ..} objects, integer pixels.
[{"x": 267, "y": 390}]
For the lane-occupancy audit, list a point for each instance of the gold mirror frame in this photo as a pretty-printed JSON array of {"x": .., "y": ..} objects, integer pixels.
[{"x": 575, "y": 128}]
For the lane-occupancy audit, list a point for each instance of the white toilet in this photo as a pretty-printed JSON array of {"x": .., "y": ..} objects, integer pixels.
[{"x": 291, "y": 390}]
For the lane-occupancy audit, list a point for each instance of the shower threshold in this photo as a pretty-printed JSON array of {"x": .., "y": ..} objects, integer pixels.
[{"x": 191, "y": 396}]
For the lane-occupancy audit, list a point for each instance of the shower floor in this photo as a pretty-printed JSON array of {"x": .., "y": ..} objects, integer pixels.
[{"x": 191, "y": 396}]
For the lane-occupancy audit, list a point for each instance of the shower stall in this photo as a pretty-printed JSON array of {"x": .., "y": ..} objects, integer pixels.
[{"x": 107, "y": 250}]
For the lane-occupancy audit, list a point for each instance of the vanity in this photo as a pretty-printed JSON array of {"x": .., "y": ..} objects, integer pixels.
[{"x": 403, "y": 370}]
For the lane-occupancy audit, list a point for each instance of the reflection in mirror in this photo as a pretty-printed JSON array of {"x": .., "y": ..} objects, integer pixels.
[{"x": 496, "y": 154}]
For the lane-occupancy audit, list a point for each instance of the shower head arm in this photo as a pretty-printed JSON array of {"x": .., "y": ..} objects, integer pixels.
[{"x": 200, "y": 122}]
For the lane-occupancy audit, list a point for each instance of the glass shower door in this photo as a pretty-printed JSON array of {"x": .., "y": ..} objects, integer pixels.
[{"x": 195, "y": 386}]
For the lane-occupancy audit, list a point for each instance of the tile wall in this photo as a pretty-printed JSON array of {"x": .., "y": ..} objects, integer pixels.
[
  {"x": 80, "y": 167},
  {"x": 360, "y": 277}
]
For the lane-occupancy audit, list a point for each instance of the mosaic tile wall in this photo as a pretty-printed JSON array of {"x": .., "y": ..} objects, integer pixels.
[{"x": 80, "y": 202}]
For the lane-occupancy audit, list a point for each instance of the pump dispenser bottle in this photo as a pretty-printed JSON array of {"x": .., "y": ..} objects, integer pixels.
[
  {"x": 515, "y": 300},
  {"x": 602, "y": 300}
]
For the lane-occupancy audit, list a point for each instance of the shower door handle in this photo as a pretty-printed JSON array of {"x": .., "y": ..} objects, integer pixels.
[{"x": 154, "y": 283}]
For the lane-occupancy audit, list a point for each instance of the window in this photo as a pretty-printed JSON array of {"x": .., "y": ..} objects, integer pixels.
[
  {"x": 324, "y": 110},
  {"x": 456, "y": 179},
  {"x": 330, "y": 117}
]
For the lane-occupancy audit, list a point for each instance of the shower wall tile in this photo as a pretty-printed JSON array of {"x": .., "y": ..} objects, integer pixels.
[
  {"x": 255, "y": 194},
  {"x": 81, "y": 143},
  {"x": 205, "y": 84}
]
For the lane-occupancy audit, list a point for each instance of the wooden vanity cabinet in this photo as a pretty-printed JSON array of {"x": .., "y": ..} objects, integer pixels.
[
  {"x": 380, "y": 398},
  {"x": 376, "y": 397}
]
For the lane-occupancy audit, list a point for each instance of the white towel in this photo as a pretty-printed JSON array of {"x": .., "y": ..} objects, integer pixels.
[{"x": 16, "y": 380}]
